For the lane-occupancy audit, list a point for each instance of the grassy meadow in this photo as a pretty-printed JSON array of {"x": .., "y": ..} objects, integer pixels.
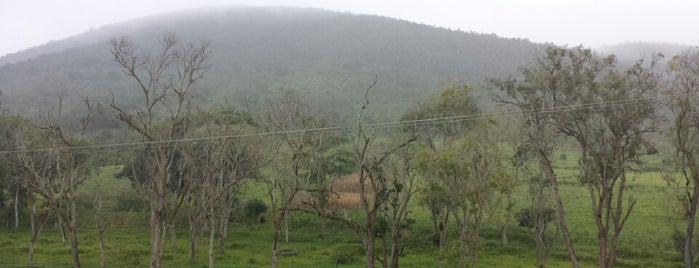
[{"x": 645, "y": 242}]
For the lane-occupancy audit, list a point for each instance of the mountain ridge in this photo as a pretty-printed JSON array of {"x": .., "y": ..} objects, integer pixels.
[{"x": 255, "y": 52}]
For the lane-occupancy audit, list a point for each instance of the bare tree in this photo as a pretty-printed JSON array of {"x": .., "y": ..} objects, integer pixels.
[
  {"x": 219, "y": 167},
  {"x": 373, "y": 185},
  {"x": 370, "y": 172},
  {"x": 100, "y": 225},
  {"x": 35, "y": 166},
  {"x": 10, "y": 127},
  {"x": 165, "y": 81},
  {"x": 292, "y": 119},
  {"x": 55, "y": 173}
]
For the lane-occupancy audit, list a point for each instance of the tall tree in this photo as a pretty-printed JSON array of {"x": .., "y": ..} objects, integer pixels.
[
  {"x": 469, "y": 175},
  {"x": 301, "y": 144},
  {"x": 374, "y": 184},
  {"x": 165, "y": 82},
  {"x": 401, "y": 186},
  {"x": 607, "y": 112},
  {"x": 218, "y": 168},
  {"x": 372, "y": 180},
  {"x": 439, "y": 122},
  {"x": 11, "y": 177},
  {"x": 683, "y": 91},
  {"x": 531, "y": 97}
]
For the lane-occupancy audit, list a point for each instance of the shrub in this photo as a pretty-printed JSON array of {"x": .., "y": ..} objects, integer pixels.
[
  {"x": 346, "y": 254},
  {"x": 254, "y": 208},
  {"x": 528, "y": 217}
]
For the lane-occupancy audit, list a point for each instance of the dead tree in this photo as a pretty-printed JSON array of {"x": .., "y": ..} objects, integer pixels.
[
  {"x": 55, "y": 173},
  {"x": 165, "y": 82},
  {"x": 300, "y": 144},
  {"x": 219, "y": 166}
]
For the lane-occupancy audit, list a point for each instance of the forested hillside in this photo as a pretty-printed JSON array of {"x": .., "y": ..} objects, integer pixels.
[
  {"x": 221, "y": 137},
  {"x": 327, "y": 56}
]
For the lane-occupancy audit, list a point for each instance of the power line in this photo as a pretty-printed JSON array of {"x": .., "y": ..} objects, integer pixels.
[{"x": 421, "y": 122}]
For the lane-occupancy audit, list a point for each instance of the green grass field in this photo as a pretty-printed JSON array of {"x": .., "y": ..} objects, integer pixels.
[{"x": 645, "y": 242}]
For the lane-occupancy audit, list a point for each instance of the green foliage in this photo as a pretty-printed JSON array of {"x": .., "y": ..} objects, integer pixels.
[
  {"x": 346, "y": 254},
  {"x": 453, "y": 101},
  {"x": 528, "y": 217},
  {"x": 340, "y": 160},
  {"x": 254, "y": 208},
  {"x": 259, "y": 50}
]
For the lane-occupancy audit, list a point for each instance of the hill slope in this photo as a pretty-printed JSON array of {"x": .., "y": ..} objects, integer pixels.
[{"x": 330, "y": 57}]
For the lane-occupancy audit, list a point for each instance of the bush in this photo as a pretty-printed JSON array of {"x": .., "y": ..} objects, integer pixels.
[
  {"x": 346, "y": 254},
  {"x": 254, "y": 208},
  {"x": 528, "y": 217}
]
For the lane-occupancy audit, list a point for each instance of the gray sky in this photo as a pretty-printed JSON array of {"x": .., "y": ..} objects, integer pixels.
[{"x": 28, "y": 23}]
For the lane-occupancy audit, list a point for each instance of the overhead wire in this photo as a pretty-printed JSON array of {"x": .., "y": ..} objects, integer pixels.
[{"x": 413, "y": 122}]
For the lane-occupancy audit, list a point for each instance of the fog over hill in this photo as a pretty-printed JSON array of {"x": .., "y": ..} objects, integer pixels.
[
  {"x": 632, "y": 51},
  {"x": 329, "y": 57}
]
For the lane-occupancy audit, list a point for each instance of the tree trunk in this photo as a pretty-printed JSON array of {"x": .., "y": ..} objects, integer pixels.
[
  {"x": 384, "y": 251},
  {"x": 173, "y": 237},
  {"x": 62, "y": 230},
  {"x": 545, "y": 164},
  {"x": 463, "y": 235},
  {"x": 475, "y": 236},
  {"x": 508, "y": 214},
  {"x": 16, "y": 206},
  {"x": 395, "y": 250},
  {"x": 286, "y": 225},
  {"x": 193, "y": 237},
  {"x": 100, "y": 237},
  {"x": 691, "y": 219},
  {"x": 33, "y": 226},
  {"x": 369, "y": 247},
  {"x": 73, "y": 223},
  {"x": 31, "y": 251},
  {"x": 223, "y": 230},
  {"x": 443, "y": 237},
  {"x": 154, "y": 238},
  {"x": 99, "y": 225},
  {"x": 74, "y": 247},
  {"x": 212, "y": 236},
  {"x": 541, "y": 244},
  {"x": 602, "y": 249},
  {"x": 275, "y": 242}
]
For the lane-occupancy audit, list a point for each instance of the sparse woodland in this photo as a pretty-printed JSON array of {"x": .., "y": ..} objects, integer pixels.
[{"x": 576, "y": 159}]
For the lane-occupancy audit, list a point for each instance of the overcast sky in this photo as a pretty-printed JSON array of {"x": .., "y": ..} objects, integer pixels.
[{"x": 28, "y": 23}]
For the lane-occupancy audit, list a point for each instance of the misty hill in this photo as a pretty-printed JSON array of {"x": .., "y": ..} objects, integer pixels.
[{"x": 328, "y": 57}]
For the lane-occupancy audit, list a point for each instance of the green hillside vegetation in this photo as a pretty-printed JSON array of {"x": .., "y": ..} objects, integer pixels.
[
  {"x": 326, "y": 56},
  {"x": 306, "y": 138}
]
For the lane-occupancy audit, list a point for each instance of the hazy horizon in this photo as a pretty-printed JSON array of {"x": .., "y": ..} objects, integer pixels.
[{"x": 592, "y": 23}]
